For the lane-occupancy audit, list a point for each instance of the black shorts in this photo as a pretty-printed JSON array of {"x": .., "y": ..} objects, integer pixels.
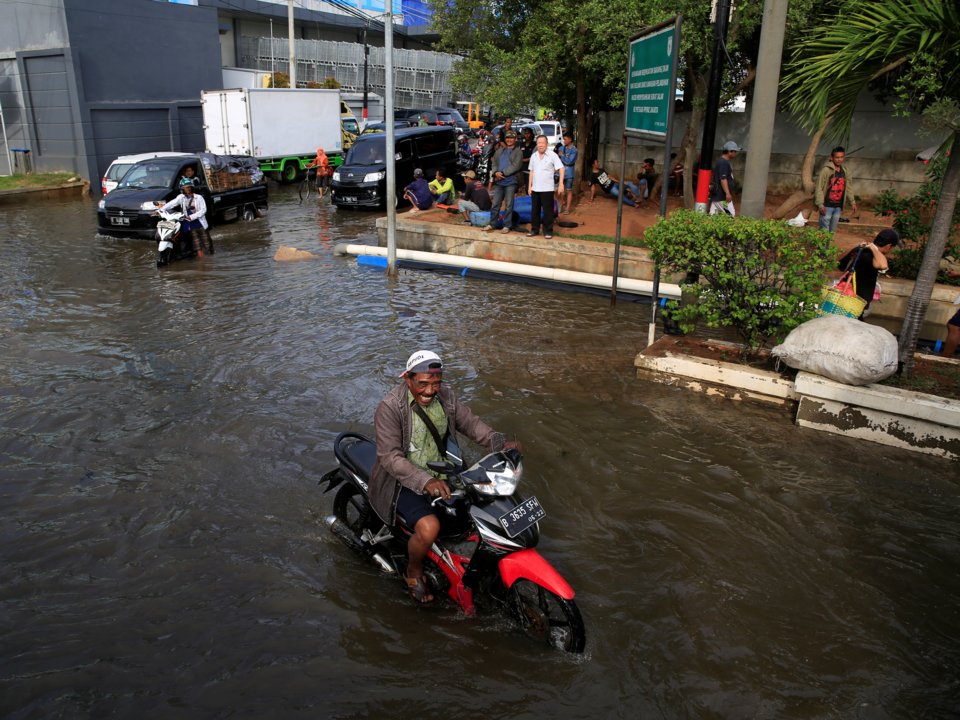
[
  {"x": 955, "y": 320},
  {"x": 411, "y": 506}
]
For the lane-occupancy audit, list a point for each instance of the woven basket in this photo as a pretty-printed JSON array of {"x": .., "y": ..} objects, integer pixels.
[{"x": 836, "y": 303}]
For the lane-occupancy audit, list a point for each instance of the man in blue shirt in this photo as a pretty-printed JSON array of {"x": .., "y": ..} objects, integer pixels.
[
  {"x": 507, "y": 162},
  {"x": 568, "y": 156},
  {"x": 418, "y": 192}
]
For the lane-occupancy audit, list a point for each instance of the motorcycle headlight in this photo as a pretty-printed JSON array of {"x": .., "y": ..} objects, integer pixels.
[
  {"x": 374, "y": 177},
  {"x": 336, "y": 176},
  {"x": 501, "y": 480},
  {"x": 148, "y": 206},
  {"x": 102, "y": 205}
]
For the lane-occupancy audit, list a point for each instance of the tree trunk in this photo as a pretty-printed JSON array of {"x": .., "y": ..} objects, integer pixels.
[
  {"x": 936, "y": 244},
  {"x": 688, "y": 146},
  {"x": 584, "y": 127},
  {"x": 807, "y": 185}
]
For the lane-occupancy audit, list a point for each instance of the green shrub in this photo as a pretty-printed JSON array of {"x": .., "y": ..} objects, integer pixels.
[
  {"x": 760, "y": 277},
  {"x": 912, "y": 217}
]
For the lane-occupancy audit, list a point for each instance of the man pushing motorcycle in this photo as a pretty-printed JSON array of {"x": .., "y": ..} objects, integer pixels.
[
  {"x": 412, "y": 425},
  {"x": 194, "y": 207}
]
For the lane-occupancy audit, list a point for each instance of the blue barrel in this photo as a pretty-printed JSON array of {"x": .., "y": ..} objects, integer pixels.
[
  {"x": 521, "y": 209},
  {"x": 480, "y": 219}
]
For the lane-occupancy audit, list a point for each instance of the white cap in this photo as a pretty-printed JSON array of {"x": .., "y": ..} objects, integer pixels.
[
  {"x": 423, "y": 361},
  {"x": 731, "y": 145}
]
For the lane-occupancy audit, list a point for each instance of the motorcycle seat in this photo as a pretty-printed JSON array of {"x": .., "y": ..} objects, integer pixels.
[{"x": 360, "y": 456}]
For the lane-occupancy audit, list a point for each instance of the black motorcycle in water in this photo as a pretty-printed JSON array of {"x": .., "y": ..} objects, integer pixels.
[{"x": 484, "y": 557}]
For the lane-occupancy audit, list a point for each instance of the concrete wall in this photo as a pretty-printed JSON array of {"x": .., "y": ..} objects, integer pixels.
[
  {"x": 123, "y": 77},
  {"x": 26, "y": 25}
]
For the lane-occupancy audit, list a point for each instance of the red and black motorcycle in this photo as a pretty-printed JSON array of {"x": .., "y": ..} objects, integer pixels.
[{"x": 484, "y": 557}]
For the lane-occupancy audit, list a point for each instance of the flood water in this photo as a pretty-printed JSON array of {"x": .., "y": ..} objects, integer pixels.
[{"x": 163, "y": 553}]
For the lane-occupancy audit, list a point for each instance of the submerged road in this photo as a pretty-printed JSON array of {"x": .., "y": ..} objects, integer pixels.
[{"x": 161, "y": 538}]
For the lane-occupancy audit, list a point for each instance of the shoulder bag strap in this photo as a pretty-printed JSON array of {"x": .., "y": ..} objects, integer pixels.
[{"x": 441, "y": 442}]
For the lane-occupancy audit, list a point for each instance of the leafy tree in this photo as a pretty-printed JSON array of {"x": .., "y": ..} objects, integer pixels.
[
  {"x": 917, "y": 43},
  {"x": 563, "y": 54}
]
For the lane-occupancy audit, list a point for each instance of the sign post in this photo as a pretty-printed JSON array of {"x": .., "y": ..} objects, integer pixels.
[{"x": 648, "y": 114}]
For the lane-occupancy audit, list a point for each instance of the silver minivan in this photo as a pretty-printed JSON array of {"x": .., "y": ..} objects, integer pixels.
[{"x": 118, "y": 168}]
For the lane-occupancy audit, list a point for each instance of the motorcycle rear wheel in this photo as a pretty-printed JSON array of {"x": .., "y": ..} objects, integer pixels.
[
  {"x": 351, "y": 507},
  {"x": 548, "y": 616}
]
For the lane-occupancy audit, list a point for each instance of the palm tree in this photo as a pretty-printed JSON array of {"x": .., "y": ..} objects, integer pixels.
[{"x": 919, "y": 40}]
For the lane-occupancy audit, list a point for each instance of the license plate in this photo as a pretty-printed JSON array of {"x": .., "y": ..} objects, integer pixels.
[
  {"x": 120, "y": 221},
  {"x": 522, "y": 517},
  {"x": 348, "y": 198}
]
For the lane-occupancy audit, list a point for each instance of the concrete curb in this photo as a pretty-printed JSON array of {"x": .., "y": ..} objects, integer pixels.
[
  {"x": 66, "y": 190},
  {"x": 887, "y": 415}
]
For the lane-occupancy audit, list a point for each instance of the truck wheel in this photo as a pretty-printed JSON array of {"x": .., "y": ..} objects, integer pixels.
[
  {"x": 289, "y": 173},
  {"x": 249, "y": 214}
]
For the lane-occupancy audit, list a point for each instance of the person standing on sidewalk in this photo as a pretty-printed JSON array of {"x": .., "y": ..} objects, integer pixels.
[
  {"x": 833, "y": 191},
  {"x": 568, "y": 156},
  {"x": 507, "y": 162},
  {"x": 721, "y": 187},
  {"x": 541, "y": 188}
]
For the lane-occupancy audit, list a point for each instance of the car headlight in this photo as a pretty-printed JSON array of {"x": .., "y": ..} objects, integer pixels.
[
  {"x": 102, "y": 205},
  {"x": 336, "y": 176},
  {"x": 502, "y": 480},
  {"x": 148, "y": 206},
  {"x": 374, "y": 177}
]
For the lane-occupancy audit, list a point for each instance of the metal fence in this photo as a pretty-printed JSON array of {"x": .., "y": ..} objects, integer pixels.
[{"x": 421, "y": 78}]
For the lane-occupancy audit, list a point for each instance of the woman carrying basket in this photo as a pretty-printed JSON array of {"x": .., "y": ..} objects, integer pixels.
[{"x": 868, "y": 260}]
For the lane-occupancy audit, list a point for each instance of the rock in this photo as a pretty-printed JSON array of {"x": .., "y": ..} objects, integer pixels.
[{"x": 290, "y": 254}]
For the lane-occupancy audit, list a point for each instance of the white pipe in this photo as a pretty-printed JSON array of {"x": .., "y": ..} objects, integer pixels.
[{"x": 571, "y": 277}]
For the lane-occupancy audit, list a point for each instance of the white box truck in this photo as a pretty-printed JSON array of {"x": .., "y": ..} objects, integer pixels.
[{"x": 282, "y": 128}]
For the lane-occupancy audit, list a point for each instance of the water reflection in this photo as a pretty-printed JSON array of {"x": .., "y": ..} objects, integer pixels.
[{"x": 161, "y": 434}]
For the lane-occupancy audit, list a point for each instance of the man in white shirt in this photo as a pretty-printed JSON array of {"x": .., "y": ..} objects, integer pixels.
[{"x": 541, "y": 187}]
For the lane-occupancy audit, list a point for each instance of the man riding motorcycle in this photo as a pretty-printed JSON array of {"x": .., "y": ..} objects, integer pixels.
[{"x": 412, "y": 424}]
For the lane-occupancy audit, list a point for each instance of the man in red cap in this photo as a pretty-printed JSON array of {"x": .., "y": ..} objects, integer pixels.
[{"x": 412, "y": 424}]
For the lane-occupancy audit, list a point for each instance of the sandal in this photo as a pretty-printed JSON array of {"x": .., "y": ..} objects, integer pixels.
[{"x": 417, "y": 587}]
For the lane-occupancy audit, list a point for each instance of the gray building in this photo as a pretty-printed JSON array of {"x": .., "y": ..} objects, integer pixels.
[{"x": 83, "y": 81}]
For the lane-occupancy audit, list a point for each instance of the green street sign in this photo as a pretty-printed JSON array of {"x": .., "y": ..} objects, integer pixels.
[{"x": 650, "y": 81}]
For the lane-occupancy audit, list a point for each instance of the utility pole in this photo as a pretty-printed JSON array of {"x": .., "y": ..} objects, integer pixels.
[
  {"x": 721, "y": 21},
  {"x": 366, "y": 58},
  {"x": 390, "y": 144},
  {"x": 291, "y": 45},
  {"x": 763, "y": 109}
]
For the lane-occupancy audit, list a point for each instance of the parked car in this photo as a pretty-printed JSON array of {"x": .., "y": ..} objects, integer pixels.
[
  {"x": 458, "y": 121},
  {"x": 553, "y": 131},
  {"x": 232, "y": 185},
  {"x": 362, "y": 179},
  {"x": 379, "y": 127},
  {"x": 118, "y": 168},
  {"x": 430, "y": 116}
]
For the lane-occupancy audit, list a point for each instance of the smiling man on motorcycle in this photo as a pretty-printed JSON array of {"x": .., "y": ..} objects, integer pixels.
[{"x": 412, "y": 424}]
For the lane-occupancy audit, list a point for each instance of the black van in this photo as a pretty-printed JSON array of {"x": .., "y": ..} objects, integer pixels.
[{"x": 361, "y": 181}]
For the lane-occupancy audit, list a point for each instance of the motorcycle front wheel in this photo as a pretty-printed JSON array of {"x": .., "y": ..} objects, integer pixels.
[{"x": 548, "y": 616}]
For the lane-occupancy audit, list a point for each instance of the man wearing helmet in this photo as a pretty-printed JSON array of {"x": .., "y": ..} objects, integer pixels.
[{"x": 194, "y": 207}]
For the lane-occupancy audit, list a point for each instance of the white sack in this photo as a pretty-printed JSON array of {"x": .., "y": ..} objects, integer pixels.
[
  {"x": 798, "y": 221},
  {"x": 842, "y": 349}
]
